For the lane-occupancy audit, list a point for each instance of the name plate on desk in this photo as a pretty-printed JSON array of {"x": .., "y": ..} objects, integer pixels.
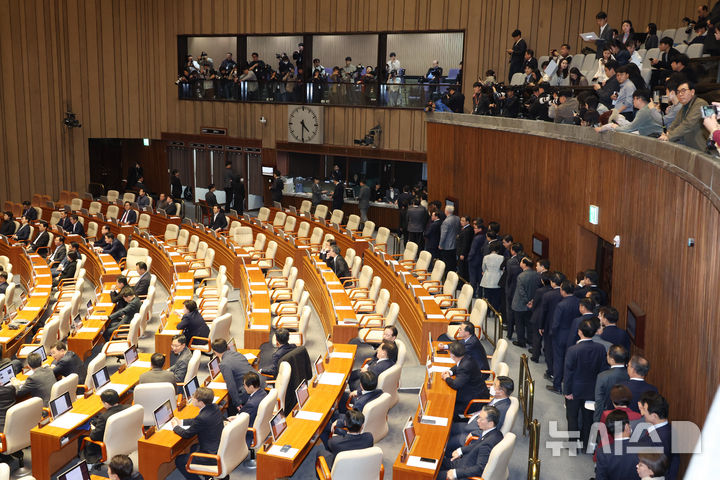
[
  {"x": 257, "y": 292},
  {"x": 435, "y": 316},
  {"x": 437, "y": 368},
  {"x": 259, "y": 327},
  {"x": 171, "y": 332},
  {"x": 423, "y": 298},
  {"x": 437, "y": 359},
  {"x": 439, "y": 421},
  {"x": 314, "y": 416},
  {"x": 217, "y": 386},
  {"x": 341, "y": 355},
  {"x": 32, "y": 309},
  {"x": 414, "y": 461},
  {"x": 69, "y": 420},
  {"x": 331, "y": 378},
  {"x": 257, "y": 284},
  {"x": 89, "y": 330},
  {"x": 107, "y": 304},
  {"x": 277, "y": 451}
]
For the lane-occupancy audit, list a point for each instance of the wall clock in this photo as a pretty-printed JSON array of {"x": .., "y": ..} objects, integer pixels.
[{"x": 305, "y": 124}]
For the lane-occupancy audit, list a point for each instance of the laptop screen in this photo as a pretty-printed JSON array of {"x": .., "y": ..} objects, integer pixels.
[
  {"x": 6, "y": 374},
  {"x": 41, "y": 351},
  {"x": 214, "y": 367},
  {"x": 302, "y": 394},
  {"x": 60, "y": 405},
  {"x": 423, "y": 400},
  {"x": 231, "y": 345},
  {"x": 163, "y": 414},
  {"x": 190, "y": 387},
  {"x": 100, "y": 378},
  {"x": 131, "y": 354},
  {"x": 278, "y": 425},
  {"x": 78, "y": 472},
  {"x": 409, "y": 435},
  {"x": 319, "y": 366}
]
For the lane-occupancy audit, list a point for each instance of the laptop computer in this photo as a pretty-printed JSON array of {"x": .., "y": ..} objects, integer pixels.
[
  {"x": 190, "y": 387},
  {"x": 78, "y": 472},
  {"x": 278, "y": 424},
  {"x": 163, "y": 414},
  {"x": 409, "y": 435},
  {"x": 60, "y": 405},
  {"x": 6, "y": 374},
  {"x": 231, "y": 345},
  {"x": 41, "y": 351},
  {"x": 214, "y": 367},
  {"x": 131, "y": 354},
  {"x": 100, "y": 378},
  {"x": 302, "y": 394}
]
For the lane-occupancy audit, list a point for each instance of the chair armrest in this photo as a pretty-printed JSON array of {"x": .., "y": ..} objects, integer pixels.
[
  {"x": 431, "y": 283},
  {"x": 204, "y": 347},
  {"x": 95, "y": 442},
  {"x": 383, "y": 245},
  {"x": 321, "y": 468},
  {"x": 458, "y": 312},
  {"x": 369, "y": 318},
  {"x": 254, "y": 434},
  {"x": 470, "y": 439},
  {"x": 3, "y": 443},
  {"x": 277, "y": 283},
  {"x": 203, "y": 455},
  {"x": 369, "y": 331},
  {"x": 286, "y": 322},
  {"x": 205, "y": 281},
  {"x": 367, "y": 360},
  {"x": 488, "y": 372},
  {"x": 472, "y": 402},
  {"x": 197, "y": 261}
]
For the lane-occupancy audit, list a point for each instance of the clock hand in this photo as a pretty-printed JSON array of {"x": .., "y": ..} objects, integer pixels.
[{"x": 302, "y": 124}]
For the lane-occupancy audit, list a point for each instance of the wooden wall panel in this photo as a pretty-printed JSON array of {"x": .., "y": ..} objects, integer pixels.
[{"x": 653, "y": 210}]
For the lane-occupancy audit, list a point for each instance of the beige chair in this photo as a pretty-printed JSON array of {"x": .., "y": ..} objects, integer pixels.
[
  {"x": 267, "y": 260},
  {"x": 258, "y": 245},
  {"x": 150, "y": 396},
  {"x": 365, "y": 464},
  {"x": 499, "y": 354},
  {"x": 5, "y": 263},
  {"x": 242, "y": 237},
  {"x": 263, "y": 215},
  {"x": 367, "y": 231},
  {"x": 502, "y": 369},
  {"x": 54, "y": 218},
  {"x": 45, "y": 338},
  {"x": 361, "y": 285},
  {"x": 145, "y": 313},
  {"x": 282, "y": 381},
  {"x": 402, "y": 353},
  {"x": 286, "y": 295},
  {"x": 476, "y": 317},
  {"x": 321, "y": 212},
  {"x": 124, "y": 337},
  {"x": 280, "y": 274},
  {"x": 305, "y": 207},
  {"x": 279, "y": 220},
  {"x": 290, "y": 308},
  {"x": 219, "y": 330},
  {"x": 279, "y": 284},
  {"x": 298, "y": 337},
  {"x": 128, "y": 197},
  {"x": 182, "y": 239},
  {"x": 303, "y": 233},
  {"x": 97, "y": 362},
  {"x": 143, "y": 222},
  {"x": 193, "y": 366},
  {"x": 353, "y": 224},
  {"x": 212, "y": 287},
  {"x": 376, "y": 416},
  {"x": 202, "y": 267},
  {"x": 112, "y": 212},
  {"x": 95, "y": 208},
  {"x": 362, "y": 297},
  {"x": 112, "y": 196},
  {"x": 497, "y": 465},
  {"x": 448, "y": 288},
  {"x": 190, "y": 251},
  {"x": 76, "y": 204},
  {"x": 67, "y": 384},
  {"x": 423, "y": 263},
  {"x": 231, "y": 452},
  {"x": 171, "y": 234},
  {"x": 371, "y": 330},
  {"x": 293, "y": 322},
  {"x": 337, "y": 217},
  {"x": 261, "y": 427},
  {"x": 19, "y": 420},
  {"x": 368, "y": 308},
  {"x": 5, "y": 471},
  {"x": 435, "y": 276},
  {"x": 455, "y": 308},
  {"x": 290, "y": 223},
  {"x": 135, "y": 255},
  {"x": 65, "y": 318},
  {"x": 355, "y": 266},
  {"x": 510, "y": 416},
  {"x": 389, "y": 381},
  {"x": 122, "y": 432},
  {"x": 381, "y": 240},
  {"x": 350, "y": 255}
]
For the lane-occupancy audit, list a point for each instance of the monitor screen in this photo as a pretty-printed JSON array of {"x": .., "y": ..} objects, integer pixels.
[
  {"x": 6, "y": 374},
  {"x": 131, "y": 354},
  {"x": 190, "y": 387},
  {"x": 319, "y": 366},
  {"x": 277, "y": 425},
  {"x": 100, "y": 378},
  {"x": 41, "y": 351},
  {"x": 60, "y": 405},
  {"x": 78, "y": 472},
  {"x": 537, "y": 247},
  {"x": 231, "y": 345},
  {"x": 302, "y": 394},
  {"x": 631, "y": 324},
  {"x": 409, "y": 435},
  {"x": 423, "y": 400},
  {"x": 163, "y": 414},
  {"x": 214, "y": 367}
]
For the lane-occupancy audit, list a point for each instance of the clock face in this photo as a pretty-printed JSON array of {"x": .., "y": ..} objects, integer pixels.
[{"x": 304, "y": 125}]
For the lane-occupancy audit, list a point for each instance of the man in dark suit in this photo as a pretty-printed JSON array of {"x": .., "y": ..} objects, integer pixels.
[
  {"x": 111, "y": 402},
  {"x": 525, "y": 286},
  {"x": 76, "y": 228},
  {"x": 143, "y": 284},
  {"x": 337, "y": 262},
  {"x": 610, "y": 331},
  {"x": 282, "y": 339},
  {"x": 69, "y": 268},
  {"x": 517, "y": 54},
  {"x": 57, "y": 270},
  {"x": 125, "y": 315},
  {"x": 156, "y": 374},
  {"x": 101, "y": 243},
  {"x": 192, "y": 323},
  {"x": 42, "y": 238},
  {"x": 175, "y": 186},
  {"x": 251, "y": 383},
  {"x": 432, "y": 235},
  {"x": 583, "y": 363},
  {"x": 207, "y": 425},
  {"x": 22, "y": 234},
  {"x": 114, "y": 247},
  {"x": 210, "y": 197},
  {"x": 64, "y": 221},
  {"x": 356, "y": 400},
  {"x": 3, "y": 282},
  {"x": 363, "y": 200},
  {"x": 417, "y": 217},
  {"x": 385, "y": 357},
  {"x": 219, "y": 222},
  {"x": 617, "y": 358},
  {"x": 465, "y": 378},
  {"x": 536, "y": 315},
  {"x": 116, "y": 293},
  {"x": 470, "y": 460},
  {"x": 604, "y": 34},
  {"x": 65, "y": 362},
  {"x": 512, "y": 271},
  {"x": 129, "y": 216},
  {"x": 39, "y": 381},
  {"x": 180, "y": 357},
  {"x": 353, "y": 440},
  {"x": 637, "y": 370},
  {"x": 171, "y": 208},
  {"x": 463, "y": 242},
  {"x": 7, "y": 400},
  {"x": 460, "y": 431},
  {"x": 234, "y": 366},
  {"x": 655, "y": 410},
  {"x": 586, "y": 308},
  {"x": 590, "y": 284},
  {"x": 338, "y": 195},
  {"x": 60, "y": 251},
  {"x": 473, "y": 345},
  {"x": 617, "y": 460},
  {"x": 29, "y": 211},
  {"x": 567, "y": 310}
]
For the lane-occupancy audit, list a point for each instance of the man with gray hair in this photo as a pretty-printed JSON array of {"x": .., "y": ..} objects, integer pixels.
[{"x": 448, "y": 232}]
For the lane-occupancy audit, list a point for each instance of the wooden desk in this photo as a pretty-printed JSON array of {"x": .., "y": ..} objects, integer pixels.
[
  {"x": 84, "y": 339},
  {"x": 158, "y": 223},
  {"x": 182, "y": 289},
  {"x": 302, "y": 434},
  {"x": 384, "y": 215},
  {"x": 53, "y": 447}
]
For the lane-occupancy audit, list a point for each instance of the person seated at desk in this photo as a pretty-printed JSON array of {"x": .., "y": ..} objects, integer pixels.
[
  {"x": 8, "y": 225},
  {"x": 65, "y": 362},
  {"x": 111, "y": 403},
  {"x": 356, "y": 400},
  {"x": 219, "y": 222},
  {"x": 327, "y": 245},
  {"x": 192, "y": 323},
  {"x": 124, "y": 315},
  {"x": 162, "y": 202},
  {"x": 68, "y": 270},
  {"x": 100, "y": 244},
  {"x": 57, "y": 270},
  {"x": 23, "y": 233},
  {"x": 473, "y": 345},
  {"x": 142, "y": 200},
  {"x": 385, "y": 357},
  {"x": 113, "y": 247},
  {"x": 207, "y": 425},
  {"x": 3, "y": 282},
  {"x": 59, "y": 251},
  {"x": 143, "y": 283},
  {"x": 64, "y": 221},
  {"x": 171, "y": 208},
  {"x": 461, "y": 431},
  {"x": 234, "y": 366},
  {"x": 353, "y": 440},
  {"x": 466, "y": 378},
  {"x": 42, "y": 238},
  {"x": 129, "y": 216},
  {"x": 116, "y": 293},
  {"x": 180, "y": 357},
  {"x": 121, "y": 468},
  {"x": 76, "y": 228},
  {"x": 39, "y": 380},
  {"x": 470, "y": 460},
  {"x": 156, "y": 374},
  {"x": 251, "y": 382},
  {"x": 282, "y": 339},
  {"x": 337, "y": 262},
  {"x": 7, "y": 400},
  {"x": 29, "y": 211}
]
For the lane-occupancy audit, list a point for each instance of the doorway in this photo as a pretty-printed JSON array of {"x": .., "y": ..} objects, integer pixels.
[{"x": 595, "y": 252}]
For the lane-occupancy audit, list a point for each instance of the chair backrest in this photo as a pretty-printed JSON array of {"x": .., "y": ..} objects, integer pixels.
[
  {"x": 183, "y": 237},
  {"x": 503, "y": 369},
  {"x": 112, "y": 196},
  {"x": 112, "y": 211},
  {"x": 305, "y": 206},
  {"x": 128, "y": 197},
  {"x": 95, "y": 208},
  {"x": 76, "y": 204},
  {"x": 135, "y": 255},
  {"x": 410, "y": 253},
  {"x": 279, "y": 219},
  {"x": 337, "y": 216},
  {"x": 193, "y": 244},
  {"x": 350, "y": 255},
  {"x": 465, "y": 297},
  {"x": 233, "y": 448},
  {"x": 259, "y": 244},
  {"x": 383, "y": 300},
  {"x": 424, "y": 260},
  {"x": 355, "y": 267},
  {"x": 695, "y": 50},
  {"x": 577, "y": 60},
  {"x": 201, "y": 250},
  {"x": 152, "y": 395},
  {"x": 588, "y": 63},
  {"x": 264, "y": 414},
  {"x": 66, "y": 384},
  {"x": 496, "y": 467},
  {"x": 317, "y": 235},
  {"x": 95, "y": 364},
  {"x": 209, "y": 258},
  {"x": 303, "y": 230},
  {"x": 19, "y": 420},
  {"x": 242, "y": 236},
  {"x": 499, "y": 354},
  {"x": 121, "y": 238},
  {"x": 271, "y": 249},
  {"x": 376, "y": 412},
  {"x": 517, "y": 78},
  {"x": 123, "y": 430},
  {"x": 510, "y": 416},
  {"x": 290, "y": 223},
  {"x": 321, "y": 211},
  {"x": 193, "y": 366},
  {"x": 401, "y": 348},
  {"x": 65, "y": 319},
  {"x": 263, "y": 214},
  {"x": 368, "y": 229},
  {"x": 171, "y": 231},
  {"x": 389, "y": 381},
  {"x": 287, "y": 266},
  {"x": 134, "y": 331},
  {"x": 450, "y": 285},
  {"x": 50, "y": 333},
  {"x": 144, "y": 221},
  {"x": 353, "y": 464},
  {"x": 54, "y": 218},
  {"x": 382, "y": 236},
  {"x": 282, "y": 380},
  {"x": 220, "y": 327},
  {"x": 353, "y": 223},
  {"x": 92, "y": 230}
]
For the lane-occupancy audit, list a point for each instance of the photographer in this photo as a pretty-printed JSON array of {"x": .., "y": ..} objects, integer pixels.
[
  {"x": 256, "y": 65},
  {"x": 564, "y": 107},
  {"x": 511, "y": 107},
  {"x": 538, "y": 108},
  {"x": 250, "y": 82},
  {"x": 226, "y": 68},
  {"x": 298, "y": 56},
  {"x": 393, "y": 90},
  {"x": 319, "y": 80},
  {"x": 712, "y": 126},
  {"x": 454, "y": 99}
]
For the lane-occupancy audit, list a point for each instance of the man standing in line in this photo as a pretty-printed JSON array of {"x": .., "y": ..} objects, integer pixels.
[
  {"x": 448, "y": 233},
  {"x": 363, "y": 200}
]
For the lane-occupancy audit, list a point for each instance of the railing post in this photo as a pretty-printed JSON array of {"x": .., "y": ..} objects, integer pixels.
[
  {"x": 534, "y": 449},
  {"x": 526, "y": 392}
]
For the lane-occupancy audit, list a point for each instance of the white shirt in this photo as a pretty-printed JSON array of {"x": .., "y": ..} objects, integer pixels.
[{"x": 394, "y": 65}]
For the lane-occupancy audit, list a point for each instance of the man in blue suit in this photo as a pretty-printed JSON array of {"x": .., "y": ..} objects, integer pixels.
[
  {"x": 617, "y": 459},
  {"x": 357, "y": 400},
  {"x": 234, "y": 366},
  {"x": 385, "y": 357},
  {"x": 114, "y": 248},
  {"x": 586, "y": 308},
  {"x": 655, "y": 410},
  {"x": 76, "y": 228},
  {"x": 353, "y": 440},
  {"x": 432, "y": 235},
  {"x": 610, "y": 331},
  {"x": 638, "y": 369},
  {"x": 567, "y": 310},
  {"x": 583, "y": 363},
  {"x": 465, "y": 378},
  {"x": 473, "y": 345},
  {"x": 282, "y": 338},
  {"x": 256, "y": 395},
  {"x": 550, "y": 302}
]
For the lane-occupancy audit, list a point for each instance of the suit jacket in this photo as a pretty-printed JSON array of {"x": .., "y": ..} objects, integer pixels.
[
  {"x": 65, "y": 223},
  {"x": 68, "y": 364},
  {"x": 468, "y": 381},
  {"x": 143, "y": 285},
  {"x": 277, "y": 357},
  {"x": 100, "y": 420},
  {"x": 143, "y": 201},
  {"x": 340, "y": 267},
  {"x": 77, "y": 229},
  {"x": 129, "y": 217},
  {"x": 233, "y": 367},
  {"x": 172, "y": 209},
  {"x": 432, "y": 237},
  {"x": 565, "y": 313},
  {"x": 40, "y": 241},
  {"x": 527, "y": 282},
  {"x": 23, "y": 233},
  {"x": 417, "y": 217},
  {"x": 638, "y": 387},
  {"x": 338, "y": 196},
  {"x": 605, "y": 37},
  {"x": 126, "y": 314},
  {"x": 379, "y": 367},
  {"x": 473, "y": 461},
  {"x": 512, "y": 271},
  {"x": 193, "y": 325},
  {"x": 38, "y": 384},
  {"x": 492, "y": 269},
  {"x": 616, "y": 336},
  {"x": 211, "y": 199},
  {"x": 666, "y": 58},
  {"x": 665, "y": 440},
  {"x": 573, "y": 336},
  {"x": 68, "y": 271},
  {"x": 7, "y": 400},
  {"x": 157, "y": 375},
  {"x": 363, "y": 398},
  {"x": 175, "y": 187},
  {"x": 253, "y": 402},
  {"x": 219, "y": 221},
  {"x": 344, "y": 443},
  {"x": 475, "y": 348},
  {"x": 116, "y": 250},
  {"x": 30, "y": 213},
  {"x": 582, "y": 291},
  {"x": 536, "y": 319},
  {"x": 7, "y": 228},
  {"x": 448, "y": 232},
  {"x": 364, "y": 197},
  {"x": 618, "y": 463},
  {"x": 475, "y": 257},
  {"x": 517, "y": 57},
  {"x": 208, "y": 426},
  {"x": 605, "y": 381},
  {"x": 550, "y": 301},
  {"x": 583, "y": 363},
  {"x": 179, "y": 364},
  {"x": 58, "y": 254},
  {"x": 316, "y": 193},
  {"x": 464, "y": 239}
]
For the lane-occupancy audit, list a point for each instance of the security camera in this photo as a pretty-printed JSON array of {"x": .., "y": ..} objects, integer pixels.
[
  {"x": 263, "y": 120},
  {"x": 71, "y": 120}
]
